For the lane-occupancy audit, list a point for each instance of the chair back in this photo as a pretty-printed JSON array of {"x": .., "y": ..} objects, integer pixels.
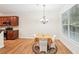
[{"x": 43, "y": 45}]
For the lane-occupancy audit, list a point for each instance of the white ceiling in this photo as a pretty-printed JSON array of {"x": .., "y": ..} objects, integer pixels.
[{"x": 27, "y": 8}]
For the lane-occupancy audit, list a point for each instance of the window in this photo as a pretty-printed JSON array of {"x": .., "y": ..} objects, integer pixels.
[
  {"x": 65, "y": 23},
  {"x": 70, "y": 21}
]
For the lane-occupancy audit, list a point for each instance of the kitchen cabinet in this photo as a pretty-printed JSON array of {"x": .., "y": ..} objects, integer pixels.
[
  {"x": 13, "y": 20},
  {"x": 11, "y": 34}
]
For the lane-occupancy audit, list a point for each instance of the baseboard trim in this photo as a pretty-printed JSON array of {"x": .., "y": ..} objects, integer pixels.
[{"x": 71, "y": 45}]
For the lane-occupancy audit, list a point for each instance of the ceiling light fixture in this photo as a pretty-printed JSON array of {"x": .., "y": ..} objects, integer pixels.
[{"x": 44, "y": 20}]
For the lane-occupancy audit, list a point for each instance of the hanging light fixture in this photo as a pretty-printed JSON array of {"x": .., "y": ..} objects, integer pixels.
[{"x": 44, "y": 20}]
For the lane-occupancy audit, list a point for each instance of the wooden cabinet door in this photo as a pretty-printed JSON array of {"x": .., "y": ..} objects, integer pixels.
[
  {"x": 15, "y": 34},
  {"x": 1, "y": 21},
  {"x": 5, "y": 19},
  {"x": 9, "y": 35},
  {"x": 14, "y": 21},
  {"x": 12, "y": 34}
]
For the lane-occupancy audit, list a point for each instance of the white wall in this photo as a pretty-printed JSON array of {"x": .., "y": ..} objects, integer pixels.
[
  {"x": 29, "y": 19},
  {"x": 31, "y": 24},
  {"x": 72, "y": 45}
]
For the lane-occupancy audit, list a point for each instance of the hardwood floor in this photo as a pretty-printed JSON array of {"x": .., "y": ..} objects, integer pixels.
[
  {"x": 24, "y": 46},
  {"x": 62, "y": 49}
]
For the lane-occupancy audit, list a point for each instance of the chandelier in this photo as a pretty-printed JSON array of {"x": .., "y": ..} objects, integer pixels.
[{"x": 44, "y": 20}]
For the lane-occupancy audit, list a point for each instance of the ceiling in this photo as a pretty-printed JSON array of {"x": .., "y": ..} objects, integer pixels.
[{"x": 29, "y": 8}]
